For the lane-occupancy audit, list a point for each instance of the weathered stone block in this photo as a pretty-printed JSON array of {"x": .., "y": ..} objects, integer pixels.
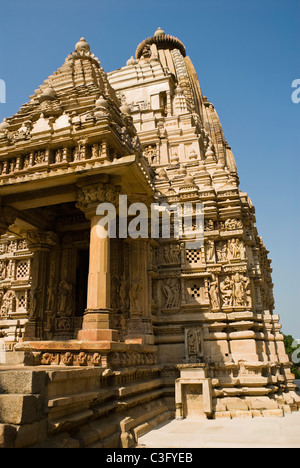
[
  {"x": 31, "y": 434},
  {"x": 7, "y": 436},
  {"x": 262, "y": 403},
  {"x": 241, "y": 414},
  {"x": 223, "y": 414},
  {"x": 19, "y": 409},
  {"x": 22, "y": 381},
  {"x": 235, "y": 404},
  {"x": 274, "y": 412}
]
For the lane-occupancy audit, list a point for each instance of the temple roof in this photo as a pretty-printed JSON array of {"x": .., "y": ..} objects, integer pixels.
[
  {"x": 162, "y": 41},
  {"x": 73, "y": 88}
]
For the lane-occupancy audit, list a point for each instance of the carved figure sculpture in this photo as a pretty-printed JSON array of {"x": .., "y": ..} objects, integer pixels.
[{"x": 226, "y": 288}]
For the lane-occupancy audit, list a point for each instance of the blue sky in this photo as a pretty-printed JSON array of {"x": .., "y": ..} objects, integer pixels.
[{"x": 246, "y": 54}]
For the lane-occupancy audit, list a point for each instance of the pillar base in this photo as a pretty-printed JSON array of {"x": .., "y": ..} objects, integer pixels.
[
  {"x": 96, "y": 326},
  {"x": 32, "y": 331},
  {"x": 139, "y": 331},
  {"x": 98, "y": 335}
]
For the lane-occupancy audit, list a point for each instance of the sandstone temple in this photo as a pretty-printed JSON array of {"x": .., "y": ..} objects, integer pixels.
[{"x": 104, "y": 338}]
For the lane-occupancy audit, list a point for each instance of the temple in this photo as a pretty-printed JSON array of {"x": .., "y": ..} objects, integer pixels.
[{"x": 102, "y": 338}]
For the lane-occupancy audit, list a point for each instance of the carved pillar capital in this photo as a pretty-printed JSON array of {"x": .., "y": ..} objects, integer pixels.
[
  {"x": 8, "y": 216},
  {"x": 90, "y": 196},
  {"x": 41, "y": 240}
]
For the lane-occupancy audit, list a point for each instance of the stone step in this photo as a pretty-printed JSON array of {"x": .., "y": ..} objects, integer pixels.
[
  {"x": 22, "y": 381},
  {"x": 13, "y": 358},
  {"x": 143, "y": 429},
  {"x": 20, "y": 409}
]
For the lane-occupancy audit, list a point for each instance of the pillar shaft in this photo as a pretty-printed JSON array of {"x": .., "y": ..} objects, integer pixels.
[
  {"x": 97, "y": 318},
  {"x": 99, "y": 269},
  {"x": 40, "y": 243},
  {"x": 139, "y": 329}
]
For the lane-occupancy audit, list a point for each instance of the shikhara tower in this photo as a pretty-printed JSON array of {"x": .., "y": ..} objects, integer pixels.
[{"x": 146, "y": 328}]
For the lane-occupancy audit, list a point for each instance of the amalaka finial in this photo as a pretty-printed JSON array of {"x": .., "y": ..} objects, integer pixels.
[
  {"x": 82, "y": 46},
  {"x": 159, "y": 32}
]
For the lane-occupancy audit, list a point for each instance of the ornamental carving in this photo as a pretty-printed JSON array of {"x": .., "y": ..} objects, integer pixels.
[
  {"x": 136, "y": 291},
  {"x": 193, "y": 345},
  {"x": 171, "y": 253},
  {"x": 151, "y": 154},
  {"x": 235, "y": 291},
  {"x": 37, "y": 238},
  {"x": 7, "y": 303},
  {"x": 171, "y": 290},
  {"x": 7, "y": 217},
  {"x": 65, "y": 299},
  {"x": 98, "y": 193},
  {"x": 231, "y": 225},
  {"x": 213, "y": 286}
]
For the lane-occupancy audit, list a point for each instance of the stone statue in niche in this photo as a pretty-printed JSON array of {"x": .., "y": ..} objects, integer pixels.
[
  {"x": 210, "y": 251},
  {"x": 213, "y": 286},
  {"x": 50, "y": 298},
  {"x": 242, "y": 296},
  {"x": 226, "y": 288},
  {"x": 151, "y": 154},
  {"x": 236, "y": 250},
  {"x": 35, "y": 297},
  {"x": 221, "y": 251},
  {"x": 22, "y": 244},
  {"x": 3, "y": 249},
  {"x": 7, "y": 303},
  {"x": 135, "y": 296},
  {"x": 65, "y": 299},
  {"x": 233, "y": 249},
  {"x": 193, "y": 345},
  {"x": 171, "y": 289},
  {"x": 243, "y": 251},
  {"x": 208, "y": 225},
  {"x": 39, "y": 157},
  {"x": 231, "y": 225},
  {"x": 58, "y": 156},
  {"x": 235, "y": 291},
  {"x": 3, "y": 270},
  {"x": 171, "y": 253},
  {"x": 10, "y": 269}
]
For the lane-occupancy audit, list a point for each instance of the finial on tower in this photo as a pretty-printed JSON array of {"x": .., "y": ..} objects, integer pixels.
[
  {"x": 162, "y": 41},
  {"x": 159, "y": 32},
  {"x": 82, "y": 46}
]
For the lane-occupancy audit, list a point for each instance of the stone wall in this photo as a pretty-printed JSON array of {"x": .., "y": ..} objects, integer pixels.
[{"x": 88, "y": 408}]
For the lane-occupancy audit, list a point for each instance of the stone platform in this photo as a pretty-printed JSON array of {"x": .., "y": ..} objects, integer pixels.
[
  {"x": 79, "y": 407},
  {"x": 264, "y": 432}
]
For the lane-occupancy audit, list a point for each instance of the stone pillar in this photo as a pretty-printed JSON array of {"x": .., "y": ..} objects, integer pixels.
[
  {"x": 40, "y": 243},
  {"x": 139, "y": 328},
  {"x": 97, "y": 318}
]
